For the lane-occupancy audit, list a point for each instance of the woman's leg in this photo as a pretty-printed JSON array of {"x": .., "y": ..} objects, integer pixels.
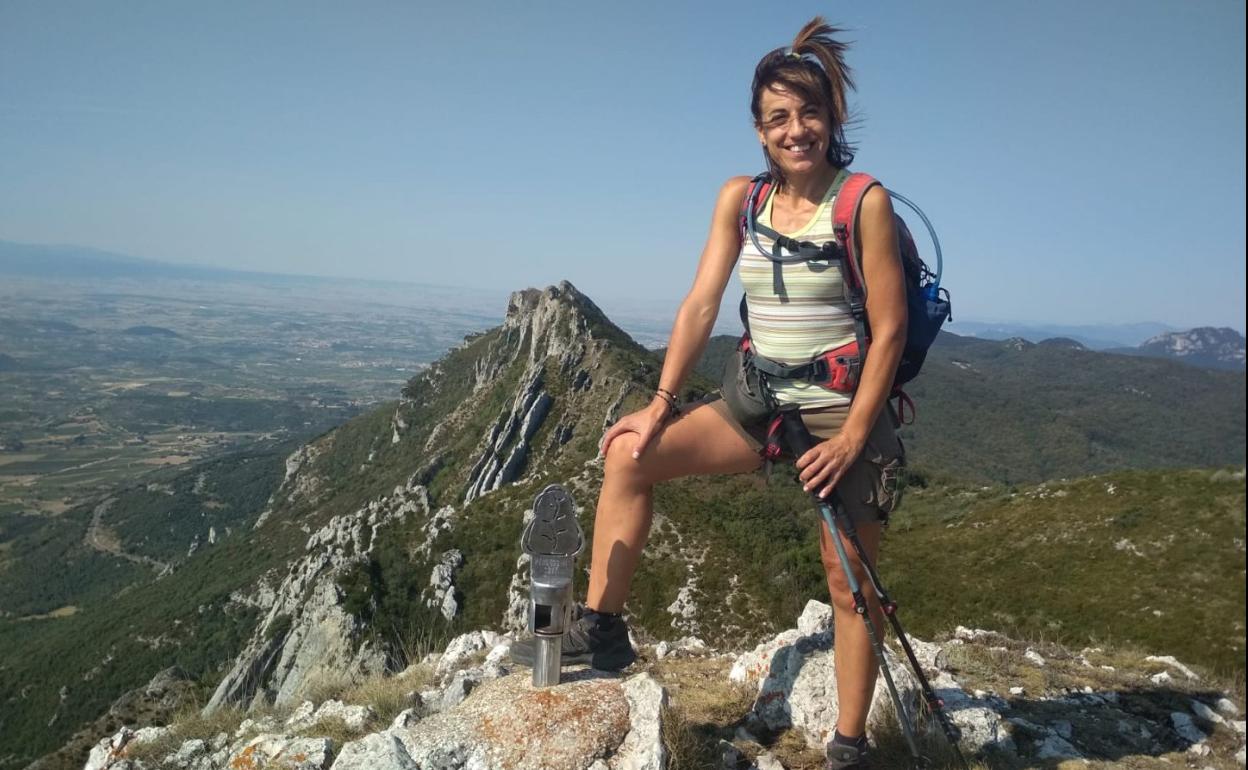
[
  {"x": 701, "y": 441},
  {"x": 856, "y": 666}
]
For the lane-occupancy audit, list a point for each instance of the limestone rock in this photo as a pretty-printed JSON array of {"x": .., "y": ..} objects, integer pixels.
[
  {"x": 799, "y": 689},
  {"x": 463, "y": 647},
  {"x": 508, "y": 723},
  {"x": 280, "y": 752},
  {"x": 816, "y": 616},
  {"x": 643, "y": 747},
  {"x": 379, "y": 751},
  {"x": 306, "y": 633}
]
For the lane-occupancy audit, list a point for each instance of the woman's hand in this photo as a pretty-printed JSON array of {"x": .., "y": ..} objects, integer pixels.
[
  {"x": 646, "y": 423},
  {"x": 826, "y": 462}
]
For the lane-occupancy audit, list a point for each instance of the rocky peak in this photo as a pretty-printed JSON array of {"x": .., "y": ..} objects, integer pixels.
[
  {"x": 1205, "y": 345},
  {"x": 556, "y": 321}
]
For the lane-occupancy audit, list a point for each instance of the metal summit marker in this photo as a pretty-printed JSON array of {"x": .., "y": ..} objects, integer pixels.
[{"x": 553, "y": 540}]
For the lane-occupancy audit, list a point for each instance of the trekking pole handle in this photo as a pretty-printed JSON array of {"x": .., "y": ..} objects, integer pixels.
[{"x": 796, "y": 435}]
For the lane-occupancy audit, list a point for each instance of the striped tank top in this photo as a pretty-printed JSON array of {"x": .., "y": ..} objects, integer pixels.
[{"x": 812, "y": 317}]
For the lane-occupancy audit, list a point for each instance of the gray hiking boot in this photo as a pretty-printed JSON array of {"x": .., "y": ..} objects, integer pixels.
[
  {"x": 843, "y": 756},
  {"x": 591, "y": 639}
]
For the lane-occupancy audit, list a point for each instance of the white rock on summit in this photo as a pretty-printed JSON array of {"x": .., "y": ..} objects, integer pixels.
[
  {"x": 463, "y": 647},
  {"x": 379, "y": 751},
  {"x": 798, "y": 688}
]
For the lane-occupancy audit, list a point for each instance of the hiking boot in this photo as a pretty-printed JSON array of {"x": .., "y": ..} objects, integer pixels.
[
  {"x": 847, "y": 756},
  {"x": 591, "y": 639}
]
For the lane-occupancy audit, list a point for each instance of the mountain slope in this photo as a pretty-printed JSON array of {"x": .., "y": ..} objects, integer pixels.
[
  {"x": 1016, "y": 412},
  {"x": 400, "y": 529}
]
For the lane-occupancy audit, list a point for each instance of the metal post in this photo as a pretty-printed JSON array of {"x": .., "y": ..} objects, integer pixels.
[{"x": 553, "y": 540}]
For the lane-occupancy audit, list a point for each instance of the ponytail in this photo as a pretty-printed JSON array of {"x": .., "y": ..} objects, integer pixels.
[{"x": 814, "y": 69}]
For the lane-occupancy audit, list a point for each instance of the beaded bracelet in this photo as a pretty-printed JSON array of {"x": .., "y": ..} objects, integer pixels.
[{"x": 673, "y": 409}]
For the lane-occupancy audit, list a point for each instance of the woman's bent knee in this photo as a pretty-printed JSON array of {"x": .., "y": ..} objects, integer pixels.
[{"x": 619, "y": 461}]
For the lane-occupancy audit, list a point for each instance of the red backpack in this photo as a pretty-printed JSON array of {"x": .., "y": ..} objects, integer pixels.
[{"x": 927, "y": 302}]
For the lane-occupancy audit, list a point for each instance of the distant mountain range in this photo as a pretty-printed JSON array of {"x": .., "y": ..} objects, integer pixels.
[
  {"x": 1205, "y": 346},
  {"x": 1093, "y": 336}
]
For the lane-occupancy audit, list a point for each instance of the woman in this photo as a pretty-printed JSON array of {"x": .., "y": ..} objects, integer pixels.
[{"x": 799, "y": 108}]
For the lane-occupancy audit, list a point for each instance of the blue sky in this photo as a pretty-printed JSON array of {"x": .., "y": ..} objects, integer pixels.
[{"x": 1083, "y": 162}]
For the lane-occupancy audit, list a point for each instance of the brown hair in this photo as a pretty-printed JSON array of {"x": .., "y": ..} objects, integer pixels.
[{"x": 813, "y": 69}]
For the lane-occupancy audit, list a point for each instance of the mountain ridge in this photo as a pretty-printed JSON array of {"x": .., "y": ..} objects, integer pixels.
[{"x": 531, "y": 395}]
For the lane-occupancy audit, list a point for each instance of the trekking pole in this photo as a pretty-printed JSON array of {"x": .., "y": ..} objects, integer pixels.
[
  {"x": 800, "y": 441},
  {"x": 934, "y": 703},
  {"x": 834, "y": 515}
]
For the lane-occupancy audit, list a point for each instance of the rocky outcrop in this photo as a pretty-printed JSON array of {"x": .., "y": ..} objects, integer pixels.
[
  {"x": 306, "y": 634},
  {"x": 591, "y": 720},
  {"x": 794, "y": 674},
  {"x": 796, "y": 677},
  {"x": 442, "y": 584},
  {"x": 477, "y": 713},
  {"x": 506, "y": 447},
  {"x": 1217, "y": 348}
]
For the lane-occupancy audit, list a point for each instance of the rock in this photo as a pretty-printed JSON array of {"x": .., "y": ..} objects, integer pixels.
[
  {"x": 930, "y": 655},
  {"x": 109, "y": 750},
  {"x": 1168, "y": 660},
  {"x": 281, "y": 751},
  {"x": 442, "y": 583},
  {"x": 318, "y": 638},
  {"x": 405, "y": 719},
  {"x": 505, "y": 721},
  {"x": 463, "y": 647},
  {"x": 689, "y": 645},
  {"x": 970, "y": 634},
  {"x": 189, "y": 752},
  {"x": 1186, "y": 728},
  {"x": 355, "y": 717},
  {"x": 982, "y": 728},
  {"x": 1064, "y": 728},
  {"x": 1056, "y": 747},
  {"x": 752, "y": 666},
  {"x": 799, "y": 690},
  {"x": 1227, "y": 706},
  {"x": 729, "y": 755},
  {"x": 816, "y": 617},
  {"x": 643, "y": 747},
  {"x": 379, "y": 751},
  {"x": 1206, "y": 713},
  {"x": 1017, "y": 690},
  {"x": 1161, "y": 678},
  {"x": 463, "y": 683},
  {"x": 766, "y": 761},
  {"x": 1034, "y": 657}
]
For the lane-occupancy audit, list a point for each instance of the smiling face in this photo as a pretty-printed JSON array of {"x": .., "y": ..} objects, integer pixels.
[{"x": 794, "y": 132}]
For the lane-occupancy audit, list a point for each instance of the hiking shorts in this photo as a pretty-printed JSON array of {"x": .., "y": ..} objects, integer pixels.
[{"x": 869, "y": 489}]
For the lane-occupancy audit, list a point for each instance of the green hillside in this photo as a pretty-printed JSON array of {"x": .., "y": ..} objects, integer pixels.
[
  {"x": 1043, "y": 560},
  {"x": 1014, "y": 412}
]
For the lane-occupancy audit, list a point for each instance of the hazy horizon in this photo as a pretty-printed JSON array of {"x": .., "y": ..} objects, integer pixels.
[{"x": 648, "y": 319}]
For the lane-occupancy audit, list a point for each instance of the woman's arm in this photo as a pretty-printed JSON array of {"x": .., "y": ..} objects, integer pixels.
[
  {"x": 696, "y": 315},
  {"x": 886, "y": 310}
]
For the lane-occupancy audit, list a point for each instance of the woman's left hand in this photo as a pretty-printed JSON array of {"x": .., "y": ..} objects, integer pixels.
[{"x": 823, "y": 466}]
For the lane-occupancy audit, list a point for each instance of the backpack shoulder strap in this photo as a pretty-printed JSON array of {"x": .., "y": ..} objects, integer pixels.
[
  {"x": 757, "y": 191},
  {"x": 845, "y": 221}
]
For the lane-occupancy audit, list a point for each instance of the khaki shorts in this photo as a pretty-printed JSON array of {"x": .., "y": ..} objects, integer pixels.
[{"x": 869, "y": 489}]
